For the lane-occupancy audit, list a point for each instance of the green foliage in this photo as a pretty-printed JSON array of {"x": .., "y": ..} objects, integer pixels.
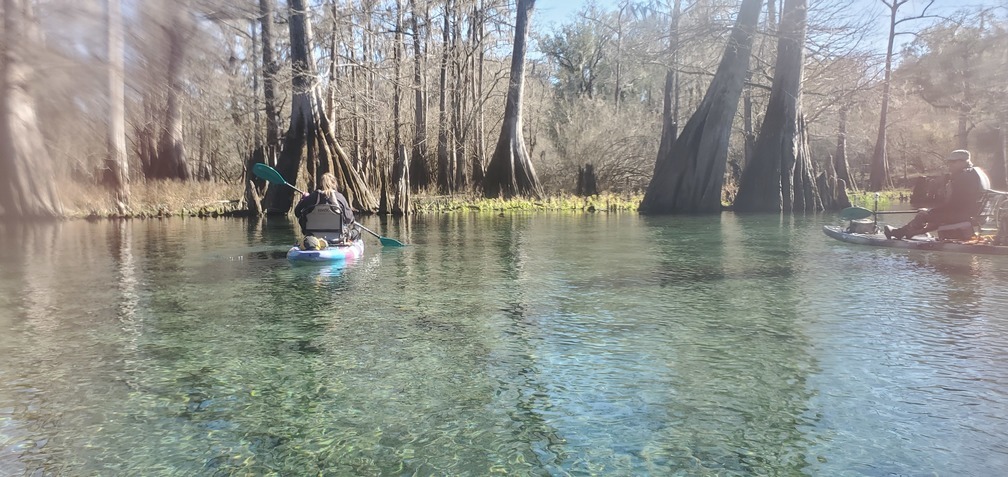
[
  {"x": 578, "y": 50},
  {"x": 951, "y": 77},
  {"x": 946, "y": 64},
  {"x": 886, "y": 199}
]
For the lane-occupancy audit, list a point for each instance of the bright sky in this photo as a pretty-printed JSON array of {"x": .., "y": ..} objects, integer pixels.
[{"x": 559, "y": 11}]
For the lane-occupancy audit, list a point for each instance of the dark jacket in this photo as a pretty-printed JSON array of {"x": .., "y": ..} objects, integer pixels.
[
  {"x": 962, "y": 201},
  {"x": 308, "y": 202}
]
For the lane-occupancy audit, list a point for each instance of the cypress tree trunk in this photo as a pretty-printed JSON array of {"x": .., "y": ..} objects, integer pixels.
[
  {"x": 690, "y": 176},
  {"x": 476, "y": 84},
  {"x": 310, "y": 134},
  {"x": 779, "y": 175},
  {"x": 670, "y": 104},
  {"x": 840, "y": 163},
  {"x": 369, "y": 158},
  {"x": 269, "y": 73},
  {"x": 510, "y": 172},
  {"x": 444, "y": 150},
  {"x": 459, "y": 96},
  {"x": 419, "y": 173},
  {"x": 400, "y": 184}
]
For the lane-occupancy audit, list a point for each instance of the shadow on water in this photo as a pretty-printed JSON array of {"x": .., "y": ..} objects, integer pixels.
[{"x": 531, "y": 396}]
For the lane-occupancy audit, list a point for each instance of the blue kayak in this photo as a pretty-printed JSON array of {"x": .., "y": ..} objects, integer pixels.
[{"x": 332, "y": 254}]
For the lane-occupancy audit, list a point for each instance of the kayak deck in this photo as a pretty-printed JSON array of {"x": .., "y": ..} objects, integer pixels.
[
  {"x": 332, "y": 254},
  {"x": 920, "y": 242}
]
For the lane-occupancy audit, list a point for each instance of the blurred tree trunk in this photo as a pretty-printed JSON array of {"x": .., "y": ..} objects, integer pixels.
[
  {"x": 510, "y": 172},
  {"x": 116, "y": 167},
  {"x": 265, "y": 153},
  {"x": 779, "y": 175},
  {"x": 27, "y": 186},
  {"x": 169, "y": 160},
  {"x": 419, "y": 174},
  {"x": 690, "y": 176},
  {"x": 310, "y": 134}
]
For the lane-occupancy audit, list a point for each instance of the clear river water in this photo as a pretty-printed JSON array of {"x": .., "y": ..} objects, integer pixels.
[{"x": 513, "y": 344}]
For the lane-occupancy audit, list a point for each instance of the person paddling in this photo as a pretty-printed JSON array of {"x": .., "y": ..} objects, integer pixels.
[
  {"x": 325, "y": 194},
  {"x": 963, "y": 192}
]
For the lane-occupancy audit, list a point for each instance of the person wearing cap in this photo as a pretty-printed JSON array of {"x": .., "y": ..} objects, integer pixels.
[{"x": 963, "y": 191}]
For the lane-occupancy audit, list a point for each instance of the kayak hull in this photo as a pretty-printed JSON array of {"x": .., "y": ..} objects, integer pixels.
[
  {"x": 920, "y": 242},
  {"x": 332, "y": 254}
]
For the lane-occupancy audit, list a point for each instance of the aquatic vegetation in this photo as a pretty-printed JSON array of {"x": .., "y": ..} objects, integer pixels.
[{"x": 605, "y": 202}]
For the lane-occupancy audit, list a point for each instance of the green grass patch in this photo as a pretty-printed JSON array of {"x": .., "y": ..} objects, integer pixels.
[
  {"x": 886, "y": 199},
  {"x": 597, "y": 203},
  {"x": 171, "y": 198}
]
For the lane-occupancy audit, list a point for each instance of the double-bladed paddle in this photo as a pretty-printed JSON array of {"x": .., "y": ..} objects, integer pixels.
[{"x": 273, "y": 176}]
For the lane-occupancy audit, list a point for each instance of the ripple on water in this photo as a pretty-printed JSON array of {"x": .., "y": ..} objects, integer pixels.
[{"x": 616, "y": 345}]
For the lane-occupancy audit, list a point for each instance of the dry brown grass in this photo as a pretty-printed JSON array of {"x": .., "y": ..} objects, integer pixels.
[{"x": 160, "y": 198}]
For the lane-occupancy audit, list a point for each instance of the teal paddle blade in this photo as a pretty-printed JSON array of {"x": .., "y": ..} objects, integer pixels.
[
  {"x": 389, "y": 242},
  {"x": 385, "y": 241},
  {"x": 268, "y": 173},
  {"x": 855, "y": 213}
]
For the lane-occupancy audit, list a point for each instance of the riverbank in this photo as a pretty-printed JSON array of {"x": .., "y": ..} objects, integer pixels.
[
  {"x": 161, "y": 199},
  {"x": 154, "y": 199}
]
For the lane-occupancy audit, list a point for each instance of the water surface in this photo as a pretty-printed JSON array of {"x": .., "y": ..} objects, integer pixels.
[{"x": 542, "y": 344}]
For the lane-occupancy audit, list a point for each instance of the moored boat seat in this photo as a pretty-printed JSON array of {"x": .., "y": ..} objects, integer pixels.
[
  {"x": 993, "y": 217},
  {"x": 958, "y": 231},
  {"x": 993, "y": 206}
]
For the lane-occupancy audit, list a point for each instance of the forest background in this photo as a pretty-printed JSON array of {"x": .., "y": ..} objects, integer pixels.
[{"x": 209, "y": 86}]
